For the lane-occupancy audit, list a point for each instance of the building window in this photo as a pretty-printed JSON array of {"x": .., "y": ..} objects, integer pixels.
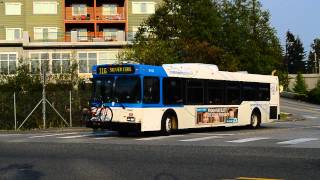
[
  {"x": 8, "y": 63},
  {"x": 109, "y": 9},
  {"x": 45, "y": 7},
  {"x": 79, "y": 9},
  {"x": 39, "y": 62},
  {"x": 108, "y": 57},
  {"x": 110, "y": 34},
  {"x": 82, "y": 34},
  {"x": 143, "y": 7},
  {"x": 45, "y": 33},
  {"x": 86, "y": 61},
  {"x": 13, "y": 33},
  {"x": 60, "y": 63},
  {"x": 135, "y": 30},
  {"x": 13, "y": 8}
]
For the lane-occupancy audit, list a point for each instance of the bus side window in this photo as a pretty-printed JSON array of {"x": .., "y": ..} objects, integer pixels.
[
  {"x": 151, "y": 90},
  {"x": 249, "y": 91},
  {"x": 172, "y": 91},
  {"x": 215, "y": 92},
  {"x": 264, "y": 92},
  {"x": 233, "y": 93},
  {"x": 195, "y": 91}
]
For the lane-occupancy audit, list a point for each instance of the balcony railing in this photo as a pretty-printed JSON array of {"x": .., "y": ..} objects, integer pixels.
[
  {"x": 89, "y": 15},
  {"x": 120, "y": 15},
  {"x": 82, "y": 37},
  {"x": 99, "y": 37}
]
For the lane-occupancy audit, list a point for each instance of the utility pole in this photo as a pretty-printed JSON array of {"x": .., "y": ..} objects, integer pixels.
[{"x": 315, "y": 62}]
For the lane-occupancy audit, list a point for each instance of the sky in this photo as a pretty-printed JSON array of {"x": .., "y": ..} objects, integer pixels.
[{"x": 301, "y": 17}]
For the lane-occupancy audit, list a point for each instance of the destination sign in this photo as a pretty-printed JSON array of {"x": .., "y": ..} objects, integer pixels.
[{"x": 121, "y": 69}]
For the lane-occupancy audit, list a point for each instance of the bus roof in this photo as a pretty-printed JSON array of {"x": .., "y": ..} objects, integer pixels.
[{"x": 183, "y": 70}]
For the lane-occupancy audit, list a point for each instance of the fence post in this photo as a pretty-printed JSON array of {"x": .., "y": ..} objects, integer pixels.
[
  {"x": 15, "y": 111},
  {"x": 70, "y": 109}
]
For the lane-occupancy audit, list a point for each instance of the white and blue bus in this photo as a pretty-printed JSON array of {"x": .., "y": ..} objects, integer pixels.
[{"x": 171, "y": 97}]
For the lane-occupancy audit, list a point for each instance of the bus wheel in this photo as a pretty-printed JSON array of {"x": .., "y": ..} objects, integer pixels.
[
  {"x": 255, "y": 120},
  {"x": 168, "y": 125}
]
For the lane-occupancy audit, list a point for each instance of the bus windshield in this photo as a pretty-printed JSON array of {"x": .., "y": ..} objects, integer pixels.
[{"x": 122, "y": 89}]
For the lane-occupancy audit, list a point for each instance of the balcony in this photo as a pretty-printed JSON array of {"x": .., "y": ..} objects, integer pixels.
[
  {"x": 119, "y": 16},
  {"x": 79, "y": 18},
  {"x": 90, "y": 37},
  {"x": 100, "y": 16}
]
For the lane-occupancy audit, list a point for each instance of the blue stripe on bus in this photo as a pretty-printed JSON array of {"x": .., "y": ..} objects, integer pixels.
[
  {"x": 143, "y": 70},
  {"x": 136, "y": 105}
]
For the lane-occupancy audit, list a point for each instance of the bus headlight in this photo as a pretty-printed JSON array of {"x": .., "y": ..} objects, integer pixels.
[{"x": 131, "y": 119}]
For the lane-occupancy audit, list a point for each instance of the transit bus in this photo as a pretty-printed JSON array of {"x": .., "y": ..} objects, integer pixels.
[{"x": 167, "y": 98}]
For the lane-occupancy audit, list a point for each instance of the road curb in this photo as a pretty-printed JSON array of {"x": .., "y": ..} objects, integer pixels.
[{"x": 49, "y": 130}]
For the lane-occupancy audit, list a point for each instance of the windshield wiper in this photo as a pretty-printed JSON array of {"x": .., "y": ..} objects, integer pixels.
[{"x": 117, "y": 101}]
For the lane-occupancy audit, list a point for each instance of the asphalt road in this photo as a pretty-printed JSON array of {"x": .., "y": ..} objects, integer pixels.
[
  {"x": 98, "y": 161},
  {"x": 280, "y": 150}
]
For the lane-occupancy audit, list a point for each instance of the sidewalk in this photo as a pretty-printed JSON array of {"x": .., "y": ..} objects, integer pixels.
[{"x": 49, "y": 130}]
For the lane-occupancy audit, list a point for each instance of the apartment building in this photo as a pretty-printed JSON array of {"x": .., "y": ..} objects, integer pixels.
[{"x": 54, "y": 32}]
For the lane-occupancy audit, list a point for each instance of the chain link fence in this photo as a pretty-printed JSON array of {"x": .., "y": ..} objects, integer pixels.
[{"x": 25, "y": 102}]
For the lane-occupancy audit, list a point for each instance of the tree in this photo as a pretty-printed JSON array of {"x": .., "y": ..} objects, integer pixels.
[
  {"x": 300, "y": 86},
  {"x": 248, "y": 35},
  {"x": 233, "y": 35},
  {"x": 295, "y": 54},
  {"x": 313, "y": 58}
]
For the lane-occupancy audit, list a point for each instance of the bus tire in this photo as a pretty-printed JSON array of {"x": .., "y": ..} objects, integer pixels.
[
  {"x": 169, "y": 124},
  {"x": 255, "y": 119},
  {"x": 123, "y": 133}
]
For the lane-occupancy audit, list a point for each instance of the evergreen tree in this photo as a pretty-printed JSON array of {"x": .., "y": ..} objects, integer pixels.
[
  {"x": 295, "y": 54},
  {"x": 313, "y": 58},
  {"x": 300, "y": 86}
]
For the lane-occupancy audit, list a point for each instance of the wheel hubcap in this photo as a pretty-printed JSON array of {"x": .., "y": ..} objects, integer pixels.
[
  {"x": 254, "y": 120},
  {"x": 168, "y": 124}
]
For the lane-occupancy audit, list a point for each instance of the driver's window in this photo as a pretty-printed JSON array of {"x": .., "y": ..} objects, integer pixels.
[{"x": 151, "y": 90}]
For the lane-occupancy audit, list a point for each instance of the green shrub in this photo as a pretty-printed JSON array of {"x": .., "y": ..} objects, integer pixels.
[
  {"x": 300, "y": 86},
  {"x": 314, "y": 94}
]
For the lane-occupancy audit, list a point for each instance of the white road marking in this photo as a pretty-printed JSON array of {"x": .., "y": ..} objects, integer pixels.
[
  {"x": 316, "y": 126},
  {"x": 50, "y": 135},
  {"x": 297, "y": 141},
  {"x": 248, "y": 139},
  {"x": 310, "y": 117},
  {"x": 103, "y": 138},
  {"x": 158, "y": 138},
  {"x": 201, "y": 139},
  {"x": 6, "y": 135},
  {"x": 77, "y": 136},
  {"x": 213, "y": 134},
  {"x": 85, "y": 135}
]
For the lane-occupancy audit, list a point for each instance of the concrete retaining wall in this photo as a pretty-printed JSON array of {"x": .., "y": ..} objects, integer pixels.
[{"x": 310, "y": 79}]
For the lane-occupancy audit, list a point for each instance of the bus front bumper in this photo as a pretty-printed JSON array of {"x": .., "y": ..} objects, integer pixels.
[{"x": 116, "y": 126}]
